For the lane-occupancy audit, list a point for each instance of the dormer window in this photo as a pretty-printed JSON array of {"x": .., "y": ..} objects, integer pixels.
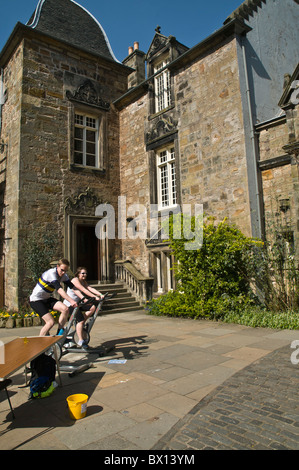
[
  {"x": 162, "y": 52},
  {"x": 162, "y": 86}
]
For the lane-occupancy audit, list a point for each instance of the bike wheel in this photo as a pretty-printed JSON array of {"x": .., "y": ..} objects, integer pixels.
[
  {"x": 50, "y": 351},
  {"x": 86, "y": 337}
]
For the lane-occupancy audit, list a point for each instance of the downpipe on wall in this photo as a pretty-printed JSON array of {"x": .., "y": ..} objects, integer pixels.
[{"x": 257, "y": 203}]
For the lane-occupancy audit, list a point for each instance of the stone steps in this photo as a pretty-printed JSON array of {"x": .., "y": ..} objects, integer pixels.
[{"x": 123, "y": 301}]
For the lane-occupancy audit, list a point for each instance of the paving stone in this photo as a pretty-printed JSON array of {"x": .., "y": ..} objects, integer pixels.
[
  {"x": 237, "y": 416},
  {"x": 161, "y": 398}
]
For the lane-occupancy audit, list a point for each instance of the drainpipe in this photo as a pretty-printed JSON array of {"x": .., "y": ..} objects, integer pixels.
[{"x": 254, "y": 191}]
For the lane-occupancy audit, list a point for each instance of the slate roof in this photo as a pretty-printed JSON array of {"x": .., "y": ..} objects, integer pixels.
[{"x": 70, "y": 22}]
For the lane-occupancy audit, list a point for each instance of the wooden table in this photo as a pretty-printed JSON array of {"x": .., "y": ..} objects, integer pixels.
[{"x": 21, "y": 351}]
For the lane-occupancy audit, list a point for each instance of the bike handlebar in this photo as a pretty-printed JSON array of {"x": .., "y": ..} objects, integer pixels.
[
  {"x": 93, "y": 300},
  {"x": 82, "y": 300}
]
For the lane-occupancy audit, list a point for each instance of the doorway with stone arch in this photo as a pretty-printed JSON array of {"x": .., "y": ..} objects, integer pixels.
[{"x": 82, "y": 247}]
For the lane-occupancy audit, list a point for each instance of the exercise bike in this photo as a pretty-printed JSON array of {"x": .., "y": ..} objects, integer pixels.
[{"x": 69, "y": 339}]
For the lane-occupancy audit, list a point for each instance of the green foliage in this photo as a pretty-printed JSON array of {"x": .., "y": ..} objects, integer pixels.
[
  {"x": 275, "y": 270},
  {"x": 221, "y": 280},
  {"x": 259, "y": 317},
  {"x": 39, "y": 251},
  {"x": 213, "y": 280}
]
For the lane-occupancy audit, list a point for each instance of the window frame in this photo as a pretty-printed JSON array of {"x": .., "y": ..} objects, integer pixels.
[
  {"x": 162, "y": 85},
  {"x": 167, "y": 194},
  {"x": 102, "y": 139},
  {"x": 85, "y": 129}
]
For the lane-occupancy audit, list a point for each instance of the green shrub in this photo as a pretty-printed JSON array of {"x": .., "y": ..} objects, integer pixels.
[
  {"x": 213, "y": 280},
  {"x": 258, "y": 317},
  {"x": 274, "y": 267},
  {"x": 221, "y": 280}
]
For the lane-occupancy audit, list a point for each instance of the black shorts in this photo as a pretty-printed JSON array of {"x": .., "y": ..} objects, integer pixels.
[
  {"x": 42, "y": 307},
  {"x": 79, "y": 316}
]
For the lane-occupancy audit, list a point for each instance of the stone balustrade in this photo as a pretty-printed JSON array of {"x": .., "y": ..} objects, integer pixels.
[{"x": 140, "y": 286}]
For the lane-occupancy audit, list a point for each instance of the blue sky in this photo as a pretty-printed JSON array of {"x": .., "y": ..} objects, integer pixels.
[{"x": 125, "y": 22}]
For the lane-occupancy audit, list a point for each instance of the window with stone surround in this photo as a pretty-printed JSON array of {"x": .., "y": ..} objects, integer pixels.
[
  {"x": 166, "y": 178},
  {"x": 88, "y": 139},
  {"x": 162, "y": 86}
]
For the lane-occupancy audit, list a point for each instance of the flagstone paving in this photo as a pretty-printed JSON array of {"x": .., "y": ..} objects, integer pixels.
[{"x": 182, "y": 384}]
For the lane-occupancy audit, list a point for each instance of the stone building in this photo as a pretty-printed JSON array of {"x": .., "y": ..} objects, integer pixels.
[{"x": 215, "y": 124}]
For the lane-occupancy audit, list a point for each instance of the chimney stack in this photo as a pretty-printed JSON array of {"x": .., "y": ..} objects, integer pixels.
[{"x": 135, "y": 60}]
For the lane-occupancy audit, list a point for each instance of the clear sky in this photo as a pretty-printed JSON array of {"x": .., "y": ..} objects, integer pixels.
[{"x": 125, "y": 22}]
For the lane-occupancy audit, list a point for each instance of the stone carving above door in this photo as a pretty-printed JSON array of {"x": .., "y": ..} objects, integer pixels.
[{"x": 84, "y": 203}]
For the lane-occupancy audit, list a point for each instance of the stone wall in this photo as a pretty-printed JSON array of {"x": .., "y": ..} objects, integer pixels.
[
  {"x": 211, "y": 136},
  {"x": 280, "y": 175},
  {"x": 13, "y": 75},
  {"x": 44, "y": 116},
  {"x": 134, "y": 176},
  {"x": 276, "y": 179},
  {"x": 212, "y": 164}
]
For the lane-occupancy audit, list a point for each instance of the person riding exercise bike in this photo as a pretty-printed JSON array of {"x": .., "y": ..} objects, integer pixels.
[
  {"x": 86, "y": 311},
  {"x": 42, "y": 302}
]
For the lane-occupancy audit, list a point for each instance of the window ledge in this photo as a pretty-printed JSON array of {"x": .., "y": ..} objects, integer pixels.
[
  {"x": 87, "y": 169},
  {"x": 165, "y": 211},
  {"x": 152, "y": 116}
]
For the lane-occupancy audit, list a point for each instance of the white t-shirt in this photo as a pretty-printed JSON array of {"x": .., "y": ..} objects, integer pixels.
[
  {"x": 73, "y": 296},
  {"x": 47, "y": 283}
]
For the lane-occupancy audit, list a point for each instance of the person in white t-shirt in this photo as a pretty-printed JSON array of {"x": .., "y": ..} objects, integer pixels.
[{"x": 42, "y": 302}]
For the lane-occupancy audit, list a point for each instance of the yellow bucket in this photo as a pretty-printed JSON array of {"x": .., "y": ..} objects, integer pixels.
[{"x": 77, "y": 405}]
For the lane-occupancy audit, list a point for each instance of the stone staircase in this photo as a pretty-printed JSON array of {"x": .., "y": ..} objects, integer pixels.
[{"x": 123, "y": 300}]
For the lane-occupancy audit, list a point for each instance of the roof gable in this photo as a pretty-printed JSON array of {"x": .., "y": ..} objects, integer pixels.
[
  {"x": 161, "y": 42},
  {"x": 245, "y": 10}
]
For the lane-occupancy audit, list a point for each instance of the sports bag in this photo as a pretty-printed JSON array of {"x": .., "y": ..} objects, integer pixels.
[{"x": 42, "y": 382}]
